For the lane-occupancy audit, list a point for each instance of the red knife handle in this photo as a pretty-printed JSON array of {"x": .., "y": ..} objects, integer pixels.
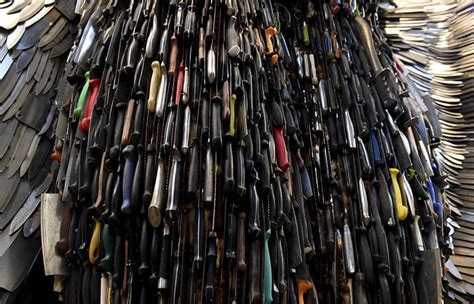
[
  {"x": 280, "y": 145},
  {"x": 173, "y": 55},
  {"x": 94, "y": 85},
  {"x": 179, "y": 84}
]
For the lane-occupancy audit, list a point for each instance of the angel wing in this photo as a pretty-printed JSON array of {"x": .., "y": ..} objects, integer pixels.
[{"x": 35, "y": 36}]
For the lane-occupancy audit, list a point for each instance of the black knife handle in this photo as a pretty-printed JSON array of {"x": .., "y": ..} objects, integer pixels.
[
  {"x": 150, "y": 174},
  {"x": 359, "y": 289},
  {"x": 155, "y": 256},
  {"x": 165, "y": 258},
  {"x": 119, "y": 256},
  {"x": 116, "y": 203},
  {"x": 199, "y": 239},
  {"x": 144, "y": 269},
  {"x": 240, "y": 183},
  {"x": 194, "y": 171},
  {"x": 253, "y": 219},
  {"x": 138, "y": 119},
  {"x": 211, "y": 268},
  {"x": 228, "y": 167},
  {"x": 137, "y": 184},
  {"x": 117, "y": 133}
]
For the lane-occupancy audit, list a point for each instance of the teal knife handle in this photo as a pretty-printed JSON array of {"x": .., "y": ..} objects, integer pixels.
[
  {"x": 82, "y": 96},
  {"x": 268, "y": 270},
  {"x": 107, "y": 262}
]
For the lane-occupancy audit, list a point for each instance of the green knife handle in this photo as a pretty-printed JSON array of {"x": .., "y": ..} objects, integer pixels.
[
  {"x": 82, "y": 97},
  {"x": 107, "y": 262},
  {"x": 268, "y": 270}
]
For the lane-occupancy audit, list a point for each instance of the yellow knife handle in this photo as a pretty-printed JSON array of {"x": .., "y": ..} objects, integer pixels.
[
  {"x": 401, "y": 209},
  {"x": 95, "y": 241},
  {"x": 154, "y": 85},
  {"x": 232, "y": 114}
]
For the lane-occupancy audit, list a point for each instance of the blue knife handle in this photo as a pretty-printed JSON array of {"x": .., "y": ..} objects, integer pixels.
[{"x": 128, "y": 171}]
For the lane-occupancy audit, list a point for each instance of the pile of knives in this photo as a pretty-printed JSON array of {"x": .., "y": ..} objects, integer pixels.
[
  {"x": 434, "y": 41},
  {"x": 237, "y": 152}
]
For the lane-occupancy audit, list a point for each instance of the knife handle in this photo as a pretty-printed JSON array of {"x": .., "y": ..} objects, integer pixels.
[
  {"x": 62, "y": 245},
  {"x": 360, "y": 295},
  {"x": 190, "y": 22},
  {"x": 202, "y": 48},
  {"x": 194, "y": 171},
  {"x": 151, "y": 46},
  {"x": 163, "y": 50},
  {"x": 228, "y": 167},
  {"x": 265, "y": 183},
  {"x": 232, "y": 115},
  {"x": 165, "y": 258},
  {"x": 144, "y": 268},
  {"x": 216, "y": 123},
  {"x": 365, "y": 258},
  {"x": 384, "y": 198},
  {"x": 174, "y": 189},
  {"x": 402, "y": 210},
  {"x": 119, "y": 260},
  {"x": 199, "y": 239},
  {"x": 254, "y": 213},
  {"x": 154, "y": 86},
  {"x": 208, "y": 193},
  {"x": 85, "y": 123},
  {"x": 155, "y": 256},
  {"x": 268, "y": 269},
  {"x": 211, "y": 66},
  {"x": 82, "y": 96},
  {"x": 211, "y": 268},
  {"x": 241, "y": 265},
  {"x": 255, "y": 272},
  {"x": 137, "y": 120},
  {"x": 107, "y": 241},
  {"x": 375, "y": 146},
  {"x": 137, "y": 184},
  {"x": 95, "y": 242},
  {"x": 179, "y": 84},
  {"x": 115, "y": 202},
  {"x": 173, "y": 56},
  {"x": 240, "y": 184},
  {"x": 269, "y": 33},
  {"x": 114, "y": 152},
  {"x": 281, "y": 151},
  {"x": 150, "y": 175},
  {"x": 230, "y": 236},
  {"x": 157, "y": 201},
  {"x": 162, "y": 93},
  {"x": 168, "y": 133},
  {"x": 232, "y": 39},
  {"x": 132, "y": 53},
  {"x": 130, "y": 156}
]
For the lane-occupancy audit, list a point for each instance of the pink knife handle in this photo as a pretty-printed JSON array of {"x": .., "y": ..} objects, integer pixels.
[
  {"x": 280, "y": 145},
  {"x": 94, "y": 85},
  {"x": 179, "y": 84}
]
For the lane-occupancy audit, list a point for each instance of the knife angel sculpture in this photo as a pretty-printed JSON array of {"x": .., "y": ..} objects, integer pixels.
[{"x": 35, "y": 36}]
